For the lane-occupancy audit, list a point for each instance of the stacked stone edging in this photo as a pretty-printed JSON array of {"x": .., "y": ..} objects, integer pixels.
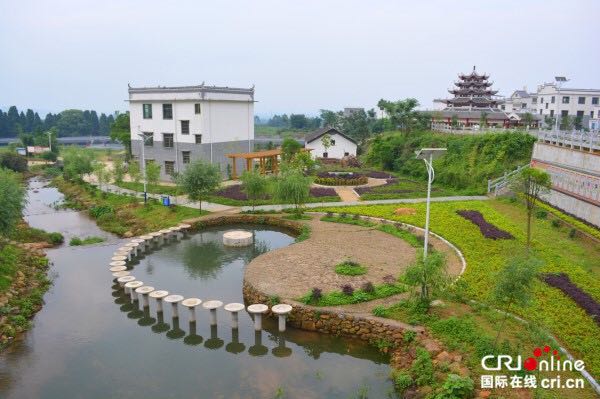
[{"x": 268, "y": 220}]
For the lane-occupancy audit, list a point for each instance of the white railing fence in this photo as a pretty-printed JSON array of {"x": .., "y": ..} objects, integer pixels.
[{"x": 496, "y": 185}]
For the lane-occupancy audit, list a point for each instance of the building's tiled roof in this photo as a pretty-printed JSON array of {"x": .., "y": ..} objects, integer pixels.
[
  {"x": 521, "y": 93},
  {"x": 185, "y": 89},
  {"x": 310, "y": 137}
]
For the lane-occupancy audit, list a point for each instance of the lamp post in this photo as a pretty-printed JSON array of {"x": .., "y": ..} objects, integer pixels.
[
  {"x": 428, "y": 155},
  {"x": 143, "y": 137},
  {"x": 49, "y": 133},
  {"x": 559, "y": 82}
]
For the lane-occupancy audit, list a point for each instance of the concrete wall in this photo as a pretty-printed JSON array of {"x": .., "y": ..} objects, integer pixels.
[
  {"x": 211, "y": 152},
  {"x": 342, "y": 145},
  {"x": 575, "y": 179}
]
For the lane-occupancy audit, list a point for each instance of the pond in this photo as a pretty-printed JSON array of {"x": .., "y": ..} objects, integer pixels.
[{"x": 89, "y": 341}]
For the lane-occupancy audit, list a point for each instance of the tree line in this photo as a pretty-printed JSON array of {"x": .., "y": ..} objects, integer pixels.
[{"x": 70, "y": 122}]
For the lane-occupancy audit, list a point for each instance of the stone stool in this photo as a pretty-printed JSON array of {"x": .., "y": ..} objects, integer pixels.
[
  {"x": 156, "y": 237},
  {"x": 119, "y": 258},
  {"x": 124, "y": 279},
  {"x": 234, "y": 308},
  {"x": 115, "y": 269},
  {"x": 125, "y": 250},
  {"x": 257, "y": 310},
  {"x": 117, "y": 263},
  {"x": 147, "y": 240},
  {"x": 191, "y": 304},
  {"x": 159, "y": 295},
  {"x": 132, "y": 285},
  {"x": 281, "y": 310},
  {"x": 173, "y": 300},
  {"x": 166, "y": 233},
  {"x": 145, "y": 290},
  {"x": 126, "y": 254},
  {"x": 212, "y": 306},
  {"x": 121, "y": 274},
  {"x": 134, "y": 247}
]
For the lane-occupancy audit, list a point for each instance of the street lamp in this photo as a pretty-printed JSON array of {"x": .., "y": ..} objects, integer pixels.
[
  {"x": 143, "y": 137},
  {"x": 559, "y": 82},
  {"x": 428, "y": 155}
]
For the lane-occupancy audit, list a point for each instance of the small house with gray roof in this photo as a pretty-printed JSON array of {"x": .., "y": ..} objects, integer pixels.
[{"x": 329, "y": 142}]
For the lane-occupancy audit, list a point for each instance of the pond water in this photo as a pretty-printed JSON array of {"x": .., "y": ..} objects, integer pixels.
[{"x": 89, "y": 341}]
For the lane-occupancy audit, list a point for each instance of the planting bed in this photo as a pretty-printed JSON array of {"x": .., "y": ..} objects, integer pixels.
[
  {"x": 341, "y": 179},
  {"x": 581, "y": 298},
  {"x": 487, "y": 229},
  {"x": 234, "y": 195}
]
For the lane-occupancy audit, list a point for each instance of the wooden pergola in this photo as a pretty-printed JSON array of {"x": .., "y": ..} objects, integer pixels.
[{"x": 262, "y": 156}]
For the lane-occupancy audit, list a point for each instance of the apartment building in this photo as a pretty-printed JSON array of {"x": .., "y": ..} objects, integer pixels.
[{"x": 177, "y": 125}]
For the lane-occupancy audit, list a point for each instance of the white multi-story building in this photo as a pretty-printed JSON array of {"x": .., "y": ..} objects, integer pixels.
[
  {"x": 550, "y": 101},
  {"x": 182, "y": 124}
]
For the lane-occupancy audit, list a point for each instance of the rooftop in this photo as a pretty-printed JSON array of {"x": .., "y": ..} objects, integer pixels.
[{"x": 202, "y": 88}]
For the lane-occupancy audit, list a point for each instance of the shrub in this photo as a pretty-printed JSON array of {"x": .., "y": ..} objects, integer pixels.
[
  {"x": 316, "y": 294},
  {"x": 389, "y": 279},
  {"x": 368, "y": 287},
  {"x": 456, "y": 387},
  {"x": 541, "y": 214},
  {"x": 76, "y": 241},
  {"x": 555, "y": 223},
  {"x": 319, "y": 192},
  {"x": 409, "y": 336},
  {"x": 56, "y": 238},
  {"x": 13, "y": 161},
  {"x": 347, "y": 289},
  {"x": 403, "y": 381},
  {"x": 274, "y": 300},
  {"x": 487, "y": 229},
  {"x": 379, "y": 311},
  {"x": 350, "y": 268},
  {"x": 572, "y": 233},
  {"x": 97, "y": 211},
  {"x": 341, "y": 179},
  {"x": 422, "y": 368}
]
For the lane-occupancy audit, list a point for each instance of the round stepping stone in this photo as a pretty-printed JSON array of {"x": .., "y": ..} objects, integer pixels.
[
  {"x": 159, "y": 295},
  {"x": 234, "y": 308},
  {"x": 146, "y": 237},
  {"x": 125, "y": 279},
  {"x": 173, "y": 300},
  {"x": 191, "y": 304},
  {"x": 125, "y": 249},
  {"x": 237, "y": 238},
  {"x": 212, "y": 305},
  {"x": 119, "y": 257},
  {"x": 137, "y": 241},
  {"x": 132, "y": 285},
  {"x": 121, "y": 253},
  {"x": 121, "y": 273},
  {"x": 145, "y": 290},
  {"x": 281, "y": 310},
  {"x": 133, "y": 244},
  {"x": 117, "y": 263},
  {"x": 257, "y": 310},
  {"x": 115, "y": 269}
]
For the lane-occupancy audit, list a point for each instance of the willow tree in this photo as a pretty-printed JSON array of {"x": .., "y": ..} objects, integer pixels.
[
  {"x": 292, "y": 187},
  {"x": 255, "y": 186},
  {"x": 198, "y": 180}
]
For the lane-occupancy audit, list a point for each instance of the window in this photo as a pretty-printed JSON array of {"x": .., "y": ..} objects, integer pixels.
[
  {"x": 564, "y": 113},
  {"x": 552, "y": 100},
  {"x": 198, "y": 138},
  {"x": 346, "y": 154},
  {"x": 167, "y": 111},
  {"x": 170, "y": 168},
  {"x": 594, "y": 100},
  {"x": 147, "y": 110},
  {"x": 534, "y": 100},
  {"x": 551, "y": 112},
  {"x": 185, "y": 156},
  {"x": 580, "y": 114},
  {"x": 168, "y": 140},
  {"x": 592, "y": 114},
  {"x": 541, "y": 100},
  {"x": 541, "y": 111},
  {"x": 523, "y": 105},
  {"x": 325, "y": 155},
  {"x": 197, "y": 109},
  {"x": 581, "y": 100},
  {"x": 566, "y": 99},
  {"x": 185, "y": 127},
  {"x": 148, "y": 139},
  {"x": 332, "y": 142},
  {"x": 503, "y": 107},
  {"x": 546, "y": 105}
]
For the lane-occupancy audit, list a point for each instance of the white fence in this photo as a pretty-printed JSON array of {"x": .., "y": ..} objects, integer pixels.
[{"x": 496, "y": 185}]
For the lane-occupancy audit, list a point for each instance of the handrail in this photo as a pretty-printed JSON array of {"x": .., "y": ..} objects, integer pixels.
[{"x": 499, "y": 183}]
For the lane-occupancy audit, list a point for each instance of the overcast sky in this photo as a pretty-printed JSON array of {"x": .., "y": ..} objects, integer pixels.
[{"x": 301, "y": 55}]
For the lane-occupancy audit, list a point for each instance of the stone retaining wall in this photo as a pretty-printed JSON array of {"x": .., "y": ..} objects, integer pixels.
[{"x": 268, "y": 220}]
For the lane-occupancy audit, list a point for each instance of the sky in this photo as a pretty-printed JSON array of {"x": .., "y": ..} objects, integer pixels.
[{"x": 302, "y": 56}]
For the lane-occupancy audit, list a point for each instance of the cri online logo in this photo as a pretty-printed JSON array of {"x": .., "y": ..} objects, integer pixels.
[{"x": 532, "y": 363}]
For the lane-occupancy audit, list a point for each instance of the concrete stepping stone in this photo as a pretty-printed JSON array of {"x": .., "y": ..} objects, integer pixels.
[
  {"x": 132, "y": 285},
  {"x": 281, "y": 310},
  {"x": 159, "y": 295},
  {"x": 234, "y": 308},
  {"x": 257, "y": 310},
  {"x": 212, "y": 306},
  {"x": 191, "y": 304},
  {"x": 145, "y": 290},
  {"x": 174, "y": 300}
]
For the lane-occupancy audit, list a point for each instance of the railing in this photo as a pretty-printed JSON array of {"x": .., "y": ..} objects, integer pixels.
[
  {"x": 571, "y": 139},
  {"x": 498, "y": 184}
]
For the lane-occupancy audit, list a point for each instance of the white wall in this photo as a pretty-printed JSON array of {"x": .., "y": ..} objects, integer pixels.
[
  {"x": 342, "y": 145},
  {"x": 220, "y": 120}
]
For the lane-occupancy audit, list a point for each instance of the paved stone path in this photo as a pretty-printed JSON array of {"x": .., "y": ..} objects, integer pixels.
[{"x": 346, "y": 194}]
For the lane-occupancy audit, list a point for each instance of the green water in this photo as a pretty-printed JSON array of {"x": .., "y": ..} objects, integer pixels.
[{"x": 89, "y": 341}]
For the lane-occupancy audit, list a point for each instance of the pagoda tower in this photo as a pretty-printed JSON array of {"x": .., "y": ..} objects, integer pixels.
[{"x": 472, "y": 93}]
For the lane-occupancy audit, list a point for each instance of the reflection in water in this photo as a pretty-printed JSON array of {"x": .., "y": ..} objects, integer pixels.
[
  {"x": 281, "y": 350},
  {"x": 146, "y": 320},
  {"x": 203, "y": 260},
  {"x": 160, "y": 326},
  {"x": 192, "y": 338},
  {"x": 214, "y": 342},
  {"x": 175, "y": 332},
  {"x": 258, "y": 349},
  {"x": 235, "y": 346}
]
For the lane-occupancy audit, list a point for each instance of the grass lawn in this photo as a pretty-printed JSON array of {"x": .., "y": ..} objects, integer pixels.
[
  {"x": 550, "y": 309},
  {"x": 152, "y": 188},
  {"x": 24, "y": 233},
  {"x": 411, "y": 188},
  {"x": 122, "y": 214}
]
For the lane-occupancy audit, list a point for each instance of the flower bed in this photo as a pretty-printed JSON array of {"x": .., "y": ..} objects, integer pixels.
[
  {"x": 487, "y": 229},
  {"x": 581, "y": 298},
  {"x": 319, "y": 192},
  {"x": 341, "y": 179},
  {"x": 235, "y": 196},
  {"x": 379, "y": 175},
  {"x": 366, "y": 190}
]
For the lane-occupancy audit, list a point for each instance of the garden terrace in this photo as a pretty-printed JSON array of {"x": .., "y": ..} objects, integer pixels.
[{"x": 550, "y": 309}]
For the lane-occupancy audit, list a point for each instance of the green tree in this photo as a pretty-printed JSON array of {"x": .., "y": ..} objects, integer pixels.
[
  {"x": 101, "y": 173},
  {"x": 292, "y": 187},
  {"x": 483, "y": 120},
  {"x": 121, "y": 132},
  {"x": 514, "y": 284},
  {"x": 566, "y": 122},
  {"x": 152, "y": 173},
  {"x": 531, "y": 183},
  {"x": 255, "y": 186},
  {"x": 331, "y": 118},
  {"x": 12, "y": 200},
  {"x": 428, "y": 274},
  {"x": 298, "y": 121},
  {"x": 289, "y": 148},
  {"x": 118, "y": 170},
  {"x": 77, "y": 163},
  {"x": 133, "y": 170},
  {"x": 13, "y": 161},
  {"x": 402, "y": 113},
  {"x": 528, "y": 119},
  {"x": 73, "y": 123},
  {"x": 198, "y": 180},
  {"x": 326, "y": 141}
]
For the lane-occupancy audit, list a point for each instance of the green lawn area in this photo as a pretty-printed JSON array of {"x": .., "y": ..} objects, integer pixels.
[
  {"x": 412, "y": 188},
  {"x": 152, "y": 188},
  {"x": 120, "y": 214},
  {"x": 485, "y": 257}
]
